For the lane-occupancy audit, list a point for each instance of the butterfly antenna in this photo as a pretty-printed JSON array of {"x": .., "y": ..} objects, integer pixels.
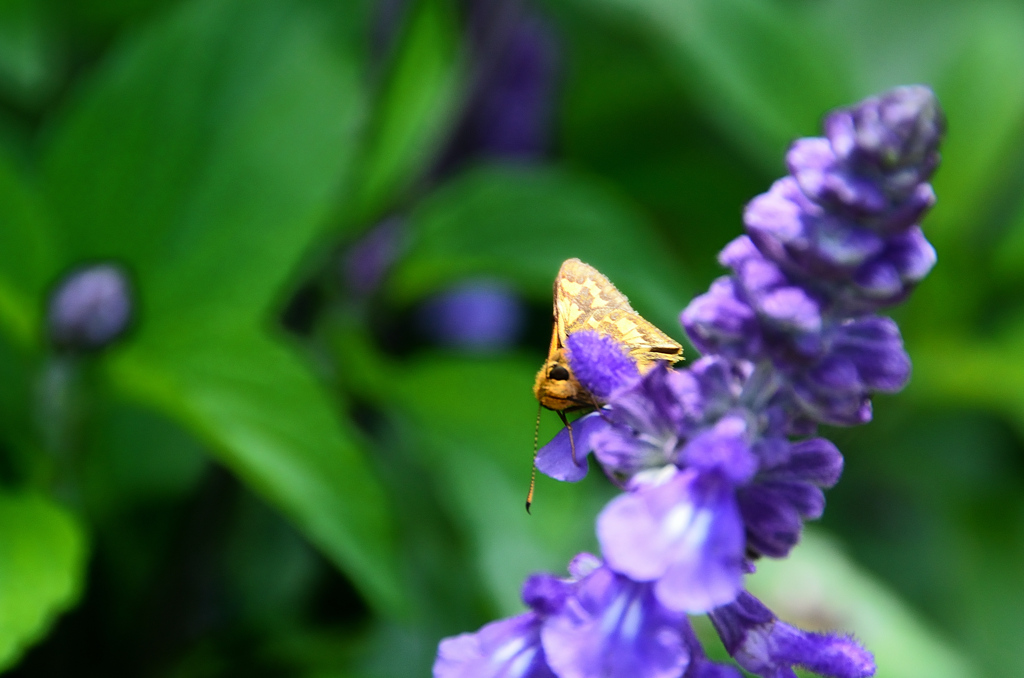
[
  {"x": 572, "y": 444},
  {"x": 533, "y": 471}
]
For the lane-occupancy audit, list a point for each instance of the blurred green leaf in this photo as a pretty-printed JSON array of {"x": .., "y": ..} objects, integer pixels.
[
  {"x": 42, "y": 563},
  {"x": 205, "y": 155},
  {"x": 256, "y": 406},
  {"x": 984, "y": 100},
  {"x": 29, "y": 57},
  {"x": 415, "y": 108},
  {"x": 477, "y": 419},
  {"x": 136, "y": 455},
  {"x": 761, "y": 72},
  {"x": 818, "y": 588},
  {"x": 522, "y": 223},
  {"x": 27, "y": 257}
]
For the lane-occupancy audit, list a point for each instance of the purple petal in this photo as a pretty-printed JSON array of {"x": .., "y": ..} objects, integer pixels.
[
  {"x": 874, "y": 346},
  {"x": 600, "y": 364},
  {"x": 725, "y": 448},
  {"x": 615, "y": 628},
  {"x": 816, "y": 461},
  {"x": 546, "y": 593},
  {"x": 721, "y": 322},
  {"x": 556, "y": 458},
  {"x": 686, "y": 533},
  {"x": 510, "y": 648},
  {"x": 911, "y": 254},
  {"x": 773, "y": 522},
  {"x": 790, "y": 309}
]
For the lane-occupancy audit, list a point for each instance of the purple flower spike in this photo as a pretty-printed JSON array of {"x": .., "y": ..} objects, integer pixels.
[
  {"x": 767, "y": 647},
  {"x": 685, "y": 534},
  {"x": 599, "y": 363},
  {"x": 615, "y": 628},
  {"x": 719, "y": 461}
]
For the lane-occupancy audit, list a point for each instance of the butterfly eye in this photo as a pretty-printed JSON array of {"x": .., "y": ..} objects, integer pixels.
[{"x": 558, "y": 373}]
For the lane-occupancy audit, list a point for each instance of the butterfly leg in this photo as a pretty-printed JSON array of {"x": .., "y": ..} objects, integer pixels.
[{"x": 572, "y": 444}]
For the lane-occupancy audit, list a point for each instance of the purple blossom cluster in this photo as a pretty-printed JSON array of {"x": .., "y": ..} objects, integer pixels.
[{"x": 719, "y": 462}]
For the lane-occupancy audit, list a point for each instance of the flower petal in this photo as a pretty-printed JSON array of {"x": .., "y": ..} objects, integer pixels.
[{"x": 685, "y": 533}]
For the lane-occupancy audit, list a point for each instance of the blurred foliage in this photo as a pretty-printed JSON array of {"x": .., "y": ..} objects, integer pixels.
[{"x": 278, "y": 472}]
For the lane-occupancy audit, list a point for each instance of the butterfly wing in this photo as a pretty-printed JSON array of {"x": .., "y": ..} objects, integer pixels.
[{"x": 587, "y": 300}]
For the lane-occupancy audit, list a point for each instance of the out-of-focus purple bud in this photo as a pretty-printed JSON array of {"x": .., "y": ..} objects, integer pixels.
[
  {"x": 90, "y": 308},
  {"x": 511, "y": 111},
  {"x": 368, "y": 260},
  {"x": 479, "y": 316}
]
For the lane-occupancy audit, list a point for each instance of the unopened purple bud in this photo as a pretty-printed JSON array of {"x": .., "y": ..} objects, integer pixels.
[
  {"x": 369, "y": 259},
  {"x": 90, "y": 308},
  {"x": 898, "y": 130},
  {"x": 767, "y": 647}
]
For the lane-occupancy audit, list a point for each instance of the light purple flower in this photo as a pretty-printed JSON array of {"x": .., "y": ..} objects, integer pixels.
[
  {"x": 613, "y": 627},
  {"x": 685, "y": 535}
]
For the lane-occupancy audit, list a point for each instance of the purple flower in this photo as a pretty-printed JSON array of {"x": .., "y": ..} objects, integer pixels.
[
  {"x": 787, "y": 491},
  {"x": 685, "y": 535},
  {"x": 767, "y": 647},
  {"x": 475, "y": 315},
  {"x": 509, "y": 648},
  {"x": 613, "y": 627},
  {"x": 90, "y": 308}
]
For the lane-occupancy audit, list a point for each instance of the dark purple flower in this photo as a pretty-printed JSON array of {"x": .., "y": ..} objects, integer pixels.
[
  {"x": 787, "y": 491},
  {"x": 475, "y": 315},
  {"x": 90, "y": 308},
  {"x": 767, "y": 647},
  {"x": 684, "y": 534}
]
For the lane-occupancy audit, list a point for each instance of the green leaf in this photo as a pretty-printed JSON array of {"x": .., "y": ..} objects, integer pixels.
[
  {"x": 258, "y": 408},
  {"x": 521, "y": 224},
  {"x": 42, "y": 563},
  {"x": 477, "y": 420},
  {"x": 984, "y": 101},
  {"x": 206, "y": 154},
  {"x": 818, "y": 588},
  {"x": 415, "y": 109},
  {"x": 759, "y": 69},
  {"x": 27, "y": 259}
]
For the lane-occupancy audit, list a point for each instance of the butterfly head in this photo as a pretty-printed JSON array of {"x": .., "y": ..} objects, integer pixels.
[{"x": 557, "y": 388}]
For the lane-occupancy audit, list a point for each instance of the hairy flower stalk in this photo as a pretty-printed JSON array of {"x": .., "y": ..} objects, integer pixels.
[{"x": 719, "y": 462}]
